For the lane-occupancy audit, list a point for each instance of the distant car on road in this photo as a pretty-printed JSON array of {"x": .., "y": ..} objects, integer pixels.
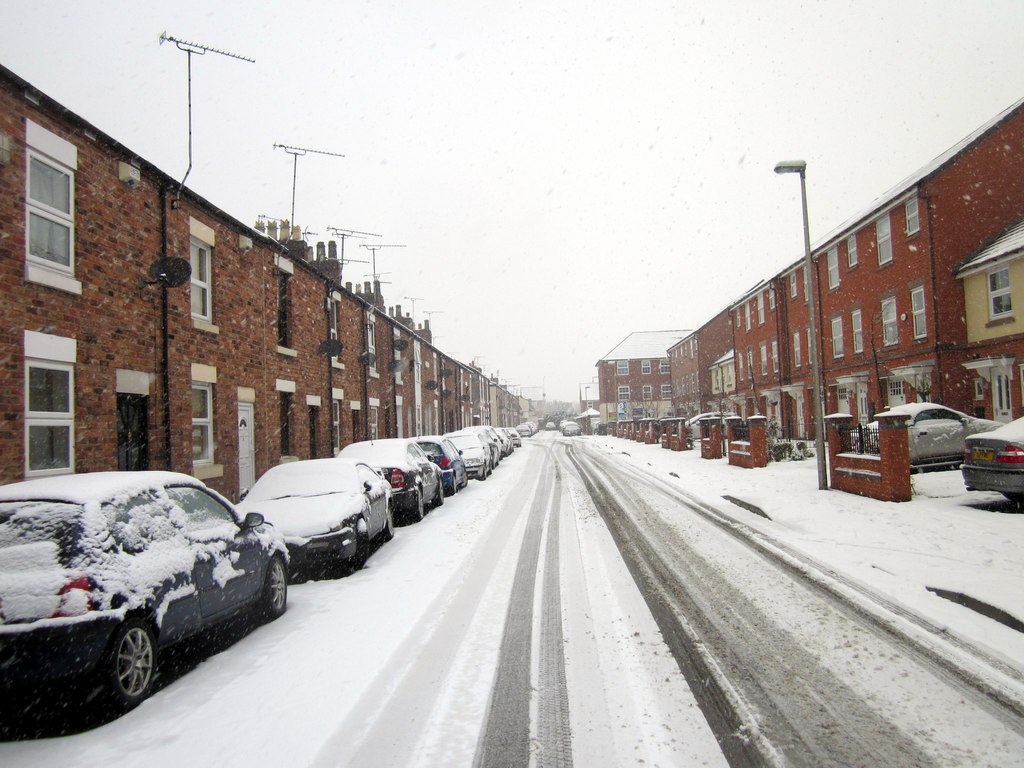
[
  {"x": 476, "y": 452},
  {"x": 937, "y": 433},
  {"x": 100, "y": 572},
  {"x": 571, "y": 429},
  {"x": 330, "y": 511},
  {"x": 550, "y": 426},
  {"x": 994, "y": 461},
  {"x": 415, "y": 479},
  {"x": 443, "y": 452}
]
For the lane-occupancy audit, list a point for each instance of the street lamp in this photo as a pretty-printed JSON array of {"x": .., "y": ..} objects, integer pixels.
[{"x": 799, "y": 166}]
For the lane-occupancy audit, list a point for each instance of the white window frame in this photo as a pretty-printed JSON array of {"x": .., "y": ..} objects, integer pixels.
[
  {"x": 857, "y": 331},
  {"x": 203, "y": 422},
  {"x": 775, "y": 355},
  {"x": 622, "y": 367},
  {"x": 58, "y": 155},
  {"x": 917, "y": 310},
  {"x": 771, "y": 298},
  {"x": 889, "y": 323},
  {"x": 832, "y": 257},
  {"x": 647, "y": 392},
  {"x": 764, "y": 358},
  {"x": 797, "y": 362},
  {"x": 760, "y": 307},
  {"x": 746, "y": 314},
  {"x": 49, "y": 419},
  {"x": 998, "y": 293},
  {"x": 851, "y": 251},
  {"x": 913, "y": 212},
  {"x": 201, "y": 253},
  {"x": 792, "y": 285},
  {"x": 883, "y": 239},
  {"x": 623, "y": 393},
  {"x": 645, "y": 366},
  {"x": 666, "y": 391},
  {"x": 664, "y": 366},
  {"x": 837, "y": 337},
  {"x": 371, "y": 341}
]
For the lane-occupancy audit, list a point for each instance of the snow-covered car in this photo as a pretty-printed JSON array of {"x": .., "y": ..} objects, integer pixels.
[
  {"x": 330, "y": 511},
  {"x": 994, "y": 461},
  {"x": 693, "y": 424},
  {"x": 571, "y": 429},
  {"x": 415, "y": 479},
  {"x": 497, "y": 446},
  {"x": 100, "y": 572},
  {"x": 525, "y": 429},
  {"x": 937, "y": 433},
  {"x": 441, "y": 451},
  {"x": 475, "y": 451},
  {"x": 513, "y": 435}
]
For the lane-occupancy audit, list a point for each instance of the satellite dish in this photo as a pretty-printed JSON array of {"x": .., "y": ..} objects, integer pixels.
[
  {"x": 170, "y": 272},
  {"x": 446, "y": 393},
  {"x": 431, "y": 384},
  {"x": 400, "y": 344},
  {"x": 397, "y": 365},
  {"x": 368, "y": 359},
  {"x": 331, "y": 347}
]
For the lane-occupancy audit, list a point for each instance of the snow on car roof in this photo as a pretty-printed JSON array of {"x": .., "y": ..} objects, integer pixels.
[
  {"x": 307, "y": 478},
  {"x": 92, "y": 486},
  {"x": 1014, "y": 432},
  {"x": 392, "y": 451},
  {"x": 912, "y": 409}
]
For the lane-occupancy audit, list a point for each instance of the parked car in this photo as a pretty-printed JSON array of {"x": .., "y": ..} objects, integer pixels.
[
  {"x": 693, "y": 424},
  {"x": 100, "y": 572},
  {"x": 994, "y": 461},
  {"x": 550, "y": 426},
  {"x": 442, "y": 451},
  {"x": 330, "y": 511},
  {"x": 571, "y": 429},
  {"x": 937, "y": 433},
  {"x": 475, "y": 451},
  {"x": 525, "y": 429},
  {"x": 513, "y": 435},
  {"x": 497, "y": 448},
  {"x": 415, "y": 479}
]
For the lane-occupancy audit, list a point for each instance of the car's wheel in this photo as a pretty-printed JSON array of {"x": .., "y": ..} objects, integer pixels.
[
  {"x": 274, "y": 601},
  {"x": 130, "y": 663},
  {"x": 388, "y": 531},
  {"x": 418, "y": 510},
  {"x": 439, "y": 495},
  {"x": 362, "y": 545}
]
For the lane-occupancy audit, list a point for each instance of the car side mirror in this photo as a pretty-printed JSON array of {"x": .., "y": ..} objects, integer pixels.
[
  {"x": 366, "y": 486},
  {"x": 460, "y": 452},
  {"x": 252, "y": 520}
]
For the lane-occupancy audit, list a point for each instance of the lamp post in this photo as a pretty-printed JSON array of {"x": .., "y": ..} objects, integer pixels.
[{"x": 800, "y": 167}]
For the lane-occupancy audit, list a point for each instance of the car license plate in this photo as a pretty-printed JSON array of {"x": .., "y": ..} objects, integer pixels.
[{"x": 983, "y": 454}]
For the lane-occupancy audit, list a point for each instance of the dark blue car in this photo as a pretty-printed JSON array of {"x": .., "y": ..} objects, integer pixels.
[{"x": 443, "y": 453}]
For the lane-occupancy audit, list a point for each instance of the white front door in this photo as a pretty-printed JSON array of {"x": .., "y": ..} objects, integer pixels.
[
  {"x": 246, "y": 451},
  {"x": 1001, "y": 408}
]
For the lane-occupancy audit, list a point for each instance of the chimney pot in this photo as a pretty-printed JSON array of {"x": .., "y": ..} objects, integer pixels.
[
  {"x": 332, "y": 249},
  {"x": 321, "y": 251}
]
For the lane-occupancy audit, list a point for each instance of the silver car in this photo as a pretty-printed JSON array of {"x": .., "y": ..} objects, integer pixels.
[{"x": 936, "y": 433}]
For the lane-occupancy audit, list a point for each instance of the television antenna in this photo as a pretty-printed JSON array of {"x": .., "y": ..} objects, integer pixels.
[
  {"x": 343, "y": 235},
  {"x": 296, "y": 153},
  {"x": 373, "y": 249},
  {"x": 199, "y": 50},
  {"x": 413, "y": 299},
  {"x": 430, "y": 313}
]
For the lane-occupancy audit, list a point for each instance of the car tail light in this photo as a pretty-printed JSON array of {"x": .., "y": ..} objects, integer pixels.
[
  {"x": 445, "y": 462},
  {"x": 75, "y": 598},
  {"x": 397, "y": 479},
  {"x": 1011, "y": 454}
]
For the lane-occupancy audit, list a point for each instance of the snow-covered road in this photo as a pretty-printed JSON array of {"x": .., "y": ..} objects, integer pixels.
[{"x": 507, "y": 628}]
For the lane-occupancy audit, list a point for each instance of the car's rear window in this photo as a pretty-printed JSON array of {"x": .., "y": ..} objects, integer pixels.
[
  {"x": 431, "y": 449},
  {"x": 29, "y": 522}
]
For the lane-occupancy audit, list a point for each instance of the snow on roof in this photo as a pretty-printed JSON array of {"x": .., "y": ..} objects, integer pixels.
[
  {"x": 726, "y": 358},
  {"x": 1007, "y": 244},
  {"x": 645, "y": 345}
]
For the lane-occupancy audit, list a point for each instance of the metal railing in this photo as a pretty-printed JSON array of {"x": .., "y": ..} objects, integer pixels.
[
  {"x": 741, "y": 432},
  {"x": 858, "y": 439}
]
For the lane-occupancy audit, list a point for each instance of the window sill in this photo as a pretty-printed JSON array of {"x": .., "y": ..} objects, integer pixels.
[
  {"x": 205, "y": 326},
  {"x": 286, "y": 351},
  {"x": 40, "y": 275},
  {"x": 207, "y": 471},
  {"x": 1004, "y": 320},
  {"x": 337, "y": 365}
]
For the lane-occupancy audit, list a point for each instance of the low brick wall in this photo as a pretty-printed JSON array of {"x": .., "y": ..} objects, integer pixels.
[
  {"x": 885, "y": 477},
  {"x": 711, "y": 442},
  {"x": 752, "y": 453}
]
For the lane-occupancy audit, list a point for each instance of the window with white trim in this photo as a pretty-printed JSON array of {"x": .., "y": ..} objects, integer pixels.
[
  {"x": 202, "y": 423},
  {"x": 913, "y": 217},
  {"x": 746, "y": 313},
  {"x": 50, "y": 200},
  {"x": 832, "y": 258},
  {"x": 49, "y": 418},
  {"x": 775, "y": 355},
  {"x": 917, "y": 310},
  {"x": 645, "y": 366},
  {"x": 796, "y": 349},
  {"x": 760, "y": 308},
  {"x": 883, "y": 239},
  {"x": 1000, "y": 304},
  {"x": 202, "y": 280},
  {"x": 890, "y": 331},
  {"x": 857, "y": 331},
  {"x": 623, "y": 393},
  {"x": 851, "y": 251},
  {"x": 371, "y": 341},
  {"x": 792, "y": 284},
  {"x": 648, "y": 392},
  {"x": 771, "y": 298},
  {"x": 622, "y": 367},
  {"x": 979, "y": 388},
  {"x": 837, "y": 337},
  {"x": 764, "y": 359},
  {"x": 666, "y": 391},
  {"x": 664, "y": 367}
]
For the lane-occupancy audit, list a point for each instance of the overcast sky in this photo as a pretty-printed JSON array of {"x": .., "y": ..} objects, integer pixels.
[{"x": 560, "y": 174}]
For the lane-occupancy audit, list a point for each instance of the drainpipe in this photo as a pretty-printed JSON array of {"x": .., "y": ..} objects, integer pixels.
[
  {"x": 935, "y": 303},
  {"x": 165, "y": 345},
  {"x": 366, "y": 373}
]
